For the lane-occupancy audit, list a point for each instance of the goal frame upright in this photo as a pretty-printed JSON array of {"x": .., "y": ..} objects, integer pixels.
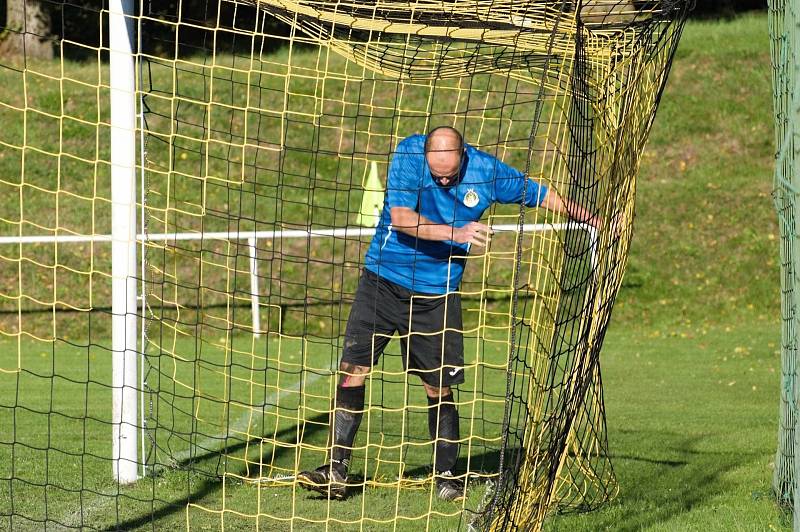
[{"x": 125, "y": 359}]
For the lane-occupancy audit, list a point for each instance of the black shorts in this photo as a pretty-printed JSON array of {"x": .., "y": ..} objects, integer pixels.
[{"x": 431, "y": 332}]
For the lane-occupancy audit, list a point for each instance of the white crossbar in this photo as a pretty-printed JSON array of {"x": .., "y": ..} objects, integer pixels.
[
  {"x": 252, "y": 238},
  {"x": 267, "y": 235}
]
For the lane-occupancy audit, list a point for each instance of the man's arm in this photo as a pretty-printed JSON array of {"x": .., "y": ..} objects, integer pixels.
[
  {"x": 554, "y": 202},
  {"x": 412, "y": 223}
]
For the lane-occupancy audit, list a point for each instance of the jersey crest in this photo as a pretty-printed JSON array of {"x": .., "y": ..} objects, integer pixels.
[{"x": 471, "y": 198}]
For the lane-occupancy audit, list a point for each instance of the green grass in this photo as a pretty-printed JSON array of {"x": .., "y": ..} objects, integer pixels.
[
  {"x": 691, "y": 432},
  {"x": 706, "y": 238},
  {"x": 691, "y": 367},
  {"x": 692, "y": 429},
  {"x": 52, "y": 397},
  {"x": 692, "y": 360}
]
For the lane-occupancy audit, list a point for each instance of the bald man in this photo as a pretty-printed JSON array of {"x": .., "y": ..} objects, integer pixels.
[{"x": 438, "y": 188}]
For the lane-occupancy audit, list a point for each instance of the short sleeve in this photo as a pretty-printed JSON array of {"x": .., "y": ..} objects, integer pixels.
[
  {"x": 405, "y": 169},
  {"x": 510, "y": 184}
]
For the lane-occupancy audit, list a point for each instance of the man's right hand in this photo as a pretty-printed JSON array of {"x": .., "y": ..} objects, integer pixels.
[{"x": 473, "y": 233}]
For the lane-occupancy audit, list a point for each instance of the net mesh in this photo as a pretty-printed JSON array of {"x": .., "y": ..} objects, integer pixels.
[
  {"x": 264, "y": 127},
  {"x": 784, "y": 47}
]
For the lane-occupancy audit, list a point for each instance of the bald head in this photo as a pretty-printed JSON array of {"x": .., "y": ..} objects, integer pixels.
[
  {"x": 444, "y": 147},
  {"x": 443, "y": 138}
]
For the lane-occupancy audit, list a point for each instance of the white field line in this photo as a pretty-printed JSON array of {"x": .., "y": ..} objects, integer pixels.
[
  {"x": 98, "y": 504},
  {"x": 215, "y": 443}
]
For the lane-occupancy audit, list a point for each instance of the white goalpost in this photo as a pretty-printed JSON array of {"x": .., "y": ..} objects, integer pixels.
[{"x": 123, "y": 235}]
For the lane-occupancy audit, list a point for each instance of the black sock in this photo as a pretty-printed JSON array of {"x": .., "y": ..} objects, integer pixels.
[
  {"x": 346, "y": 420},
  {"x": 444, "y": 411}
]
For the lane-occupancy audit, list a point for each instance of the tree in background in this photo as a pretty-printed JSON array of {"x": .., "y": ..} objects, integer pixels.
[
  {"x": 36, "y": 26},
  {"x": 27, "y": 28},
  {"x": 40, "y": 25},
  {"x": 716, "y": 8}
]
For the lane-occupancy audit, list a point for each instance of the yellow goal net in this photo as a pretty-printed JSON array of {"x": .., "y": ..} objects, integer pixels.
[{"x": 265, "y": 130}]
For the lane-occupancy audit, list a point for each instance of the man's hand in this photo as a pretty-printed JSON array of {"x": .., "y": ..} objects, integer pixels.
[
  {"x": 619, "y": 223},
  {"x": 473, "y": 233},
  {"x": 410, "y": 222},
  {"x": 595, "y": 221}
]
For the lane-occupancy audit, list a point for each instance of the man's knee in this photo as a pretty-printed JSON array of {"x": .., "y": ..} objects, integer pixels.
[
  {"x": 435, "y": 392},
  {"x": 352, "y": 375}
]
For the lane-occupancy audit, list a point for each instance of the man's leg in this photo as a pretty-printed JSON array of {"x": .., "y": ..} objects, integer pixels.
[
  {"x": 348, "y": 411},
  {"x": 443, "y": 426},
  {"x": 439, "y": 361},
  {"x": 368, "y": 331},
  {"x": 331, "y": 479}
]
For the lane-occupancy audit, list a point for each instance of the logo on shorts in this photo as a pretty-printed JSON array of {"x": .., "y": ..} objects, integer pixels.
[
  {"x": 454, "y": 372},
  {"x": 471, "y": 198}
]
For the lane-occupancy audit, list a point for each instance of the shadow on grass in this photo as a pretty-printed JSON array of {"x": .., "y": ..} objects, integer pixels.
[
  {"x": 202, "y": 465},
  {"x": 657, "y": 484},
  {"x": 485, "y": 463},
  {"x": 212, "y": 483},
  {"x": 489, "y": 464},
  {"x": 653, "y": 490}
]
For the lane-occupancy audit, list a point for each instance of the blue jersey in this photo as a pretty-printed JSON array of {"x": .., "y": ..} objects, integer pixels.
[{"x": 429, "y": 266}]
